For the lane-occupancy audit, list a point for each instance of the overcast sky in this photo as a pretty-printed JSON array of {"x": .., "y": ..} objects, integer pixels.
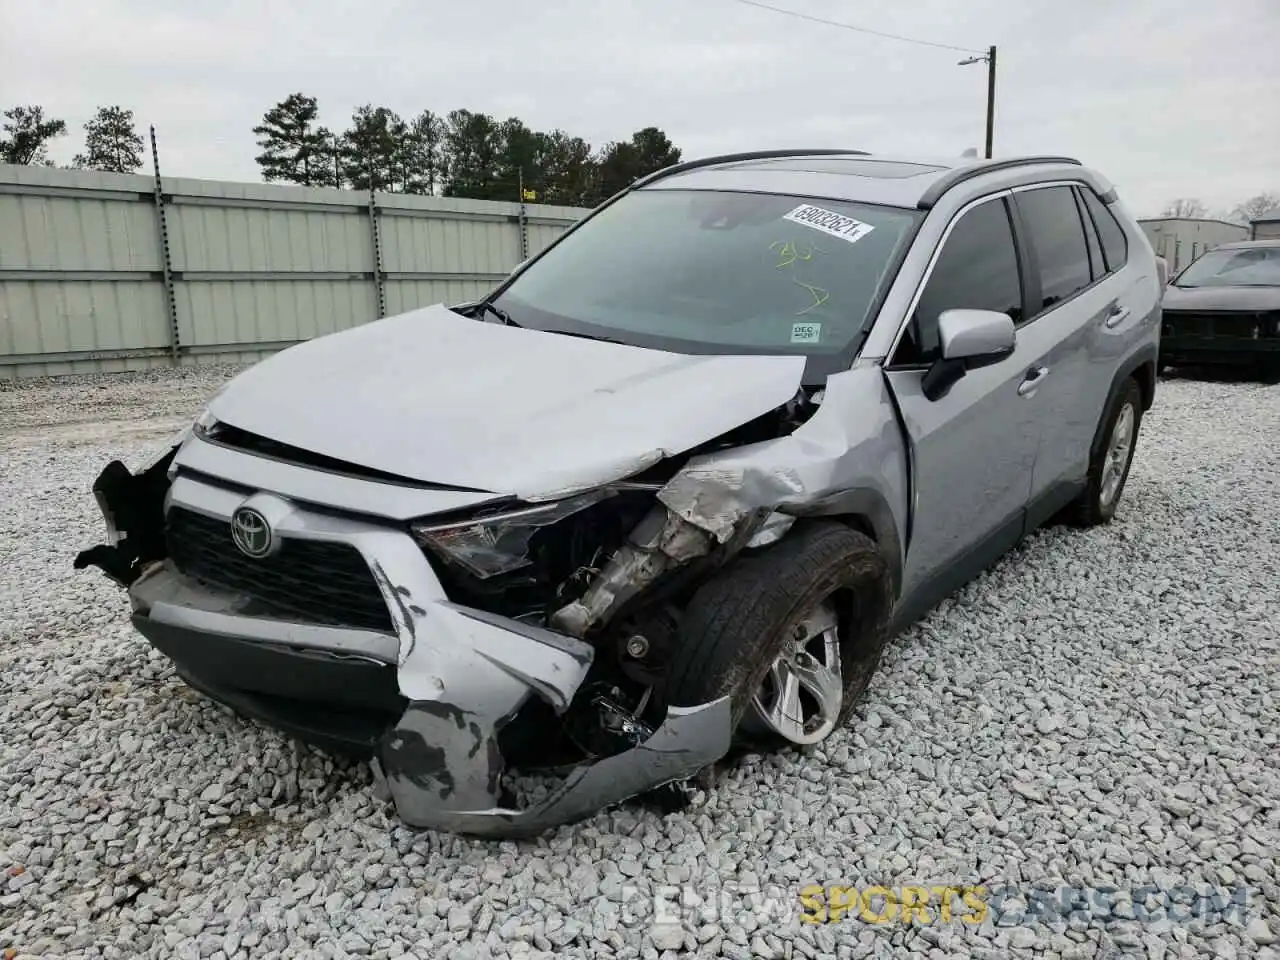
[{"x": 1168, "y": 98}]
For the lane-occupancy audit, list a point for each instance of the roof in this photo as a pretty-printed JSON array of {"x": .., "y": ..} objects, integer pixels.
[
  {"x": 841, "y": 175},
  {"x": 1271, "y": 216}
]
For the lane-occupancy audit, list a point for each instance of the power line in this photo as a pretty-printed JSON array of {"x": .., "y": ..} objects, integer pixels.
[{"x": 849, "y": 26}]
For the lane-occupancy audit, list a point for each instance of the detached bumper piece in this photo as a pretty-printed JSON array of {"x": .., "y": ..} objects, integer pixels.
[
  {"x": 133, "y": 507},
  {"x": 423, "y": 688},
  {"x": 411, "y": 773},
  {"x": 1238, "y": 338}
]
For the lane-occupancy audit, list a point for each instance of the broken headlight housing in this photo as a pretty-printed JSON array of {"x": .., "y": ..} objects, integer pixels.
[{"x": 488, "y": 546}]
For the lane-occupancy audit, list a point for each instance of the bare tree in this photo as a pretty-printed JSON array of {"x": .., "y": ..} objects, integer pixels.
[
  {"x": 1255, "y": 207},
  {"x": 1186, "y": 208}
]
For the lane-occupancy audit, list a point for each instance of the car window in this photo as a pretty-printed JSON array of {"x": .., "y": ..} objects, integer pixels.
[
  {"x": 978, "y": 269},
  {"x": 717, "y": 272},
  {"x": 1057, "y": 236},
  {"x": 1238, "y": 267},
  {"x": 1097, "y": 266},
  {"x": 1115, "y": 245}
]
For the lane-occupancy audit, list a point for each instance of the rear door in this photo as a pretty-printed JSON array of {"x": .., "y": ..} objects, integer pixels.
[
  {"x": 1077, "y": 301},
  {"x": 974, "y": 449}
]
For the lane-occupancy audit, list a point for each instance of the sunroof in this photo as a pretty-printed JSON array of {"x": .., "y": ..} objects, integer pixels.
[{"x": 849, "y": 166}]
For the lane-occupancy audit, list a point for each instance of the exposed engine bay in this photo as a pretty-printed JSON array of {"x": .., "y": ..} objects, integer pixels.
[{"x": 615, "y": 573}]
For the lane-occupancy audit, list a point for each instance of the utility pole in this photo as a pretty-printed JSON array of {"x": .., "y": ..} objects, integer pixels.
[
  {"x": 989, "y": 58},
  {"x": 991, "y": 98}
]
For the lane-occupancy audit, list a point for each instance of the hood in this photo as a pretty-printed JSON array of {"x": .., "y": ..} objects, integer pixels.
[
  {"x": 1222, "y": 298},
  {"x": 433, "y": 396}
]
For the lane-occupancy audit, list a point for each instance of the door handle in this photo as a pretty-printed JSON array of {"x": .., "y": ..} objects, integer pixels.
[
  {"x": 1032, "y": 381},
  {"x": 1116, "y": 316}
]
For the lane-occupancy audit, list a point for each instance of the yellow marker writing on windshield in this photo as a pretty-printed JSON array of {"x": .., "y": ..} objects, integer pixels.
[
  {"x": 819, "y": 295},
  {"x": 789, "y": 253}
]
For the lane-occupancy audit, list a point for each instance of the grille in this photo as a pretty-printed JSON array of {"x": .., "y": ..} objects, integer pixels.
[
  {"x": 312, "y": 581},
  {"x": 1231, "y": 325}
]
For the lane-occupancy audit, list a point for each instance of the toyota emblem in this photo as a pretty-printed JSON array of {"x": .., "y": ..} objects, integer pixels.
[{"x": 251, "y": 533}]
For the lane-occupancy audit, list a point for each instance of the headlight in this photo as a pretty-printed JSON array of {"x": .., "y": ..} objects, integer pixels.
[{"x": 499, "y": 543}]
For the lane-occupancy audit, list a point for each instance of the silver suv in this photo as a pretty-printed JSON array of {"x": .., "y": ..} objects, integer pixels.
[{"x": 666, "y": 491}]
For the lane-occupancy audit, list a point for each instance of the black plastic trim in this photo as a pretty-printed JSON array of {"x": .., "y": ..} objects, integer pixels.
[
  {"x": 1051, "y": 502},
  {"x": 958, "y": 571},
  {"x": 318, "y": 697},
  {"x": 870, "y": 505},
  {"x": 958, "y": 175}
]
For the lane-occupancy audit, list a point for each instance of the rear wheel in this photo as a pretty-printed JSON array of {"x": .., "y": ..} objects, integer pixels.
[
  {"x": 793, "y": 635},
  {"x": 1112, "y": 457}
]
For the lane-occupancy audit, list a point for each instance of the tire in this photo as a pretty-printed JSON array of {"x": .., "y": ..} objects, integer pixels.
[
  {"x": 1097, "y": 503},
  {"x": 740, "y": 620}
]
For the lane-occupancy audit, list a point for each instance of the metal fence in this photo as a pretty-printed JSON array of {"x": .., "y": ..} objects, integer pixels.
[{"x": 102, "y": 272}]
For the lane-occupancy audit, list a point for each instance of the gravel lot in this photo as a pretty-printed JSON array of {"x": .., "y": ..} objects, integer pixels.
[{"x": 1100, "y": 710}]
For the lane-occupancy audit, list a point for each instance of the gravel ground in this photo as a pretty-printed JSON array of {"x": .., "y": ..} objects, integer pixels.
[{"x": 1098, "y": 711}]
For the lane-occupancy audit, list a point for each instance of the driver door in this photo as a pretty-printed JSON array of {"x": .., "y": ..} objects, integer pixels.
[{"x": 973, "y": 449}]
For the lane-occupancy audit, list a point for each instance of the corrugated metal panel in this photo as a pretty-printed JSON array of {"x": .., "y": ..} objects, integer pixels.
[
  {"x": 416, "y": 244},
  {"x": 244, "y": 239},
  {"x": 81, "y": 286},
  {"x": 403, "y": 295},
  {"x": 77, "y": 234},
  {"x": 257, "y": 311},
  {"x": 44, "y": 317}
]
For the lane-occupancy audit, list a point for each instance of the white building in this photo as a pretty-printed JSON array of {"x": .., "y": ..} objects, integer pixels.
[
  {"x": 1266, "y": 227},
  {"x": 1182, "y": 239}
]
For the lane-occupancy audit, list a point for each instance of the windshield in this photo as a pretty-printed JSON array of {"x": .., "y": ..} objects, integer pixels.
[
  {"x": 1244, "y": 267},
  {"x": 717, "y": 272}
]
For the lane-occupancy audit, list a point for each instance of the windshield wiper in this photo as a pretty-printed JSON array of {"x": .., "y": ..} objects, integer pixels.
[
  {"x": 484, "y": 306},
  {"x": 587, "y": 336}
]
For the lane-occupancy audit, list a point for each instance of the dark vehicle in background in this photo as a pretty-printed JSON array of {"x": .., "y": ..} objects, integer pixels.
[{"x": 1224, "y": 309}]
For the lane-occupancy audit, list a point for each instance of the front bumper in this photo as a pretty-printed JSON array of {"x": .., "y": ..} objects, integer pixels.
[
  {"x": 427, "y": 698},
  {"x": 1223, "y": 338}
]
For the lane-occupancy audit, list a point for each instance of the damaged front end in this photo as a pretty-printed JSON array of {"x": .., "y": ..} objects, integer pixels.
[
  {"x": 456, "y": 645},
  {"x": 462, "y": 675}
]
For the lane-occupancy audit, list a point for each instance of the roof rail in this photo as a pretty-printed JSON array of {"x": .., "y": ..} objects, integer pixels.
[
  {"x": 958, "y": 175},
  {"x": 739, "y": 157}
]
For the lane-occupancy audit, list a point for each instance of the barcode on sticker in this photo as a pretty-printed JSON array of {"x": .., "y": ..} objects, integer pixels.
[
  {"x": 806, "y": 332},
  {"x": 829, "y": 222}
]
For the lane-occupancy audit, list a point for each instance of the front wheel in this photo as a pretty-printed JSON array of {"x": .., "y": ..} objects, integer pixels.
[{"x": 793, "y": 635}]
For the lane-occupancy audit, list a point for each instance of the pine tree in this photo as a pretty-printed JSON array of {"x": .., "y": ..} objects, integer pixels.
[
  {"x": 293, "y": 148},
  {"x": 110, "y": 142},
  {"x": 27, "y": 136},
  {"x": 373, "y": 149}
]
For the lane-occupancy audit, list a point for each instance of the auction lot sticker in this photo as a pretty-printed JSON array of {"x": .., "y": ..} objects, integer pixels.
[{"x": 829, "y": 222}]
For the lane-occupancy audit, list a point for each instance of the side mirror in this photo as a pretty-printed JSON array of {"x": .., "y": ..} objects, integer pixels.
[
  {"x": 968, "y": 339},
  {"x": 975, "y": 334}
]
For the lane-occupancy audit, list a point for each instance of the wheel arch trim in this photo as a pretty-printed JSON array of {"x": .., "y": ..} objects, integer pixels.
[{"x": 866, "y": 510}]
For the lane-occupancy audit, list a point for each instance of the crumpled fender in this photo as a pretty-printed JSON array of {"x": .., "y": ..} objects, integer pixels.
[{"x": 848, "y": 458}]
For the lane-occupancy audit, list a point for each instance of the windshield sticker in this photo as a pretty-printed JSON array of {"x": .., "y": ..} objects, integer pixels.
[
  {"x": 806, "y": 332},
  {"x": 829, "y": 222}
]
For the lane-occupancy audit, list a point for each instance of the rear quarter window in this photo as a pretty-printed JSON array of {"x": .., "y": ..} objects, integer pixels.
[{"x": 1115, "y": 245}]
